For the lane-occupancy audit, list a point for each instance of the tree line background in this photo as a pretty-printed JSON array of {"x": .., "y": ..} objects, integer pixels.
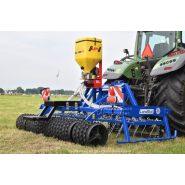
[{"x": 20, "y": 90}]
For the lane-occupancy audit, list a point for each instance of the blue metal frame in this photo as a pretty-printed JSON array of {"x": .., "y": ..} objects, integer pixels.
[{"x": 126, "y": 112}]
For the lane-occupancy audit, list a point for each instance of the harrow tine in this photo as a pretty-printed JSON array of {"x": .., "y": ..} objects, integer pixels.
[
  {"x": 135, "y": 130},
  {"x": 152, "y": 130},
  {"x": 119, "y": 131},
  {"x": 143, "y": 130},
  {"x": 112, "y": 129},
  {"x": 157, "y": 131},
  {"x": 129, "y": 127}
]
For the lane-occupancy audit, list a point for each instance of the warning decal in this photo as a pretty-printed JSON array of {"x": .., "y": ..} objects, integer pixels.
[
  {"x": 45, "y": 94},
  {"x": 116, "y": 91}
]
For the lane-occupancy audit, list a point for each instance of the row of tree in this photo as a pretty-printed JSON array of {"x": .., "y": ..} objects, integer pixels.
[
  {"x": 37, "y": 91},
  {"x": 18, "y": 90},
  {"x": 1, "y": 90}
]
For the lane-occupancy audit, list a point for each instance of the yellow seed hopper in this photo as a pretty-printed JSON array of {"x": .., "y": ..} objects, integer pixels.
[{"x": 88, "y": 53}]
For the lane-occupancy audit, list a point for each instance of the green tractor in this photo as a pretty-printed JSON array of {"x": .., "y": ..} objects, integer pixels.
[{"x": 156, "y": 73}]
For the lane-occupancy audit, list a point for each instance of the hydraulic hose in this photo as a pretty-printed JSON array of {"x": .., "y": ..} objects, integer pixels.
[
  {"x": 75, "y": 93},
  {"x": 93, "y": 105}
]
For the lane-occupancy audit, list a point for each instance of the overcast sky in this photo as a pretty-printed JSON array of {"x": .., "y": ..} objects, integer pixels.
[{"x": 33, "y": 59}]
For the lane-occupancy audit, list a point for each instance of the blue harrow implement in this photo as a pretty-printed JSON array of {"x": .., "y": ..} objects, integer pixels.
[{"x": 81, "y": 121}]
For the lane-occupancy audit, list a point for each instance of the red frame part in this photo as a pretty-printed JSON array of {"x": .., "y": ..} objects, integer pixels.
[{"x": 96, "y": 83}]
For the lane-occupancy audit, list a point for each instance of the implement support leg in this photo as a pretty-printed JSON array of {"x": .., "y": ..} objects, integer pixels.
[
  {"x": 167, "y": 128},
  {"x": 126, "y": 131}
]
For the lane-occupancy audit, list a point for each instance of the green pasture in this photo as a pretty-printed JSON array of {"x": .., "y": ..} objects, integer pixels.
[{"x": 17, "y": 141}]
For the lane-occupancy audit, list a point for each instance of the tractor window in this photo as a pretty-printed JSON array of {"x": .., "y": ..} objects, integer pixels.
[
  {"x": 143, "y": 43},
  {"x": 183, "y": 37},
  {"x": 160, "y": 42}
]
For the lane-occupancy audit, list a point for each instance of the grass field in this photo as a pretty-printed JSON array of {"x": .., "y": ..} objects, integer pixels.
[{"x": 14, "y": 141}]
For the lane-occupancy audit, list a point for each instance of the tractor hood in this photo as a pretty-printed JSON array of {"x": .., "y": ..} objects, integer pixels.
[{"x": 126, "y": 68}]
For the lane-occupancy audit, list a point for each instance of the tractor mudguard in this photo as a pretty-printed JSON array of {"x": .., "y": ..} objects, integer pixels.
[
  {"x": 168, "y": 64},
  {"x": 129, "y": 69}
]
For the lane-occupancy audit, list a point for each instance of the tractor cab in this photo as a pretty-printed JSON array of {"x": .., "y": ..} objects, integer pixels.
[{"x": 154, "y": 45}]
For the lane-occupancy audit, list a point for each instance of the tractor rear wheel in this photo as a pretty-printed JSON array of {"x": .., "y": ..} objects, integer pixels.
[{"x": 171, "y": 94}]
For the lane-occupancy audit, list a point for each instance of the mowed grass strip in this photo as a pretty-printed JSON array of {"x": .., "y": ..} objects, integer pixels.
[{"x": 14, "y": 141}]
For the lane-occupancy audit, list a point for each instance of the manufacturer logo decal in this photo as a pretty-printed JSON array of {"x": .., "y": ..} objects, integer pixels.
[
  {"x": 146, "y": 111},
  {"x": 158, "y": 111},
  {"x": 94, "y": 49}
]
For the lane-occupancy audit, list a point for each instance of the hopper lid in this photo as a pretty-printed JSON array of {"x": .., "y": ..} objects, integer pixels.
[{"x": 88, "y": 39}]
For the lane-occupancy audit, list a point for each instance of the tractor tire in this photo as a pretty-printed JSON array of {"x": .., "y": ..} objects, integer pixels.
[{"x": 171, "y": 94}]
